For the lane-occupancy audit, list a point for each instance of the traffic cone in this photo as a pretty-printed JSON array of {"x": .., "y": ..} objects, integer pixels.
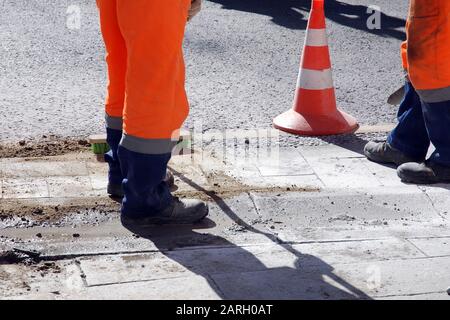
[{"x": 314, "y": 112}]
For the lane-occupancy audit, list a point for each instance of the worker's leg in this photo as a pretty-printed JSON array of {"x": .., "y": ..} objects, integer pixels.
[
  {"x": 437, "y": 120},
  {"x": 410, "y": 135},
  {"x": 409, "y": 141},
  {"x": 116, "y": 58},
  {"x": 437, "y": 168},
  {"x": 156, "y": 104}
]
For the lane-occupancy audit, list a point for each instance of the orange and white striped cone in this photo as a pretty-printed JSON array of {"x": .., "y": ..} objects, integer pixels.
[{"x": 314, "y": 112}]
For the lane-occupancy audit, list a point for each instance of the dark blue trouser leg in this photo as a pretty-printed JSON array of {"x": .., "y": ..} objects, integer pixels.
[
  {"x": 410, "y": 136},
  {"x": 437, "y": 120},
  {"x": 113, "y": 139},
  {"x": 145, "y": 191}
]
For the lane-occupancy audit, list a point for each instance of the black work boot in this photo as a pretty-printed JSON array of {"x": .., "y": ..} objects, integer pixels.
[
  {"x": 383, "y": 152},
  {"x": 186, "y": 211},
  {"x": 116, "y": 191},
  {"x": 424, "y": 173}
]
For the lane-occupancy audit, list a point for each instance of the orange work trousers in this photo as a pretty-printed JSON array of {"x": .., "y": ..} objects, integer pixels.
[{"x": 146, "y": 73}]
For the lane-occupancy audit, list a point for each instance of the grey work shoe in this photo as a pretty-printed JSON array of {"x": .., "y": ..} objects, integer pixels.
[
  {"x": 383, "y": 152},
  {"x": 185, "y": 211},
  {"x": 116, "y": 191},
  {"x": 424, "y": 173}
]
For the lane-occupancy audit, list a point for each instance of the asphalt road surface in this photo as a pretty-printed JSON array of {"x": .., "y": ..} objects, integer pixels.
[{"x": 242, "y": 59}]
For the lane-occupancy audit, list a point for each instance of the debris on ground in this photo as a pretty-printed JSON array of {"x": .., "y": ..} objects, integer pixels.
[
  {"x": 16, "y": 256},
  {"x": 342, "y": 217},
  {"x": 43, "y": 147}
]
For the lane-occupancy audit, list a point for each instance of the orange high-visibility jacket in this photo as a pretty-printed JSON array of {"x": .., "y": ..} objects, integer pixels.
[{"x": 426, "y": 53}]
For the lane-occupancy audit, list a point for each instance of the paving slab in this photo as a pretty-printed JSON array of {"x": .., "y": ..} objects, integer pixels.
[
  {"x": 182, "y": 288},
  {"x": 341, "y": 208},
  {"x": 69, "y": 187},
  {"x": 350, "y": 281},
  {"x": 20, "y": 188},
  {"x": 348, "y": 252},
  {"x": 301, "y": 181},
  {"x": 311, "y": 153},
  {"x": 398, "y": 277},
  {"x": 440, "y": 197},
  {"x": 284, "y": 283},
  {"x": 441, "y": 295},
  {"x": 341, "y": 233},
  {"x": 104, "y": 270},
  {"x": 23, "y": 168},
  {"x": 45, "y": 279},
  {"x": 432, "y": 246},
  {"x": 344, "y": 173},
  {"x": 386, "y": 174},
  {"x": 289, "y": 162},
  {"x": 98, "y": 175},
  {"x": 211, "y": 261}
]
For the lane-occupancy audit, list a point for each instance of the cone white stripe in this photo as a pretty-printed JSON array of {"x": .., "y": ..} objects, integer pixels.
[
  {"x": 316, "y": 38},
  {"x": 315, "y": 79}
]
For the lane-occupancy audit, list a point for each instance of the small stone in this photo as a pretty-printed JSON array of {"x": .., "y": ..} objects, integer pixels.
[
  {"x": 38, "y": 211},
  {"x": 448, "y": 291},
  {"x": 83, "y": 142},
  {"x": 22, "y": 143},
  {"x": 39, "y": 235},
  {"x": 76, "y": 235}
]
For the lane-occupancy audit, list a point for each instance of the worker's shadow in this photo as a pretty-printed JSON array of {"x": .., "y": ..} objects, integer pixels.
[
  {"x": 236, "y": 273},
  {"x": 292, "y": 14}
]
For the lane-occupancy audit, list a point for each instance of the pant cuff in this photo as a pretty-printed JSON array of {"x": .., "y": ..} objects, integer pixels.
[
  {"x": 115, "y": 123},
  {"x": 147, "y": 146},
  {"x": 410, "y": 152}
]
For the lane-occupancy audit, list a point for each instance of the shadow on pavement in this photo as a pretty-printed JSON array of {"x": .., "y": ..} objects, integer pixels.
[
  {"x": 293, "y": 14},
  {"x": 348, "y": 141},
  {"x": 235, "y": 273}
]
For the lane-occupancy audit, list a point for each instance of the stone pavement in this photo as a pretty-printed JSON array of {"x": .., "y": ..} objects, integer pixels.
[{"x": 317, "y": 222}]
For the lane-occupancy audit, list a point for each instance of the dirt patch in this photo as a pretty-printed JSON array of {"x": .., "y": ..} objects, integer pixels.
[
  {"x": 16, "y": 256},
  {"x": 48, "y": 267},
  {"x": 43, "y": 147},
  {"x": 54, "y": 210},
  {"x": 222, "y": 186}
]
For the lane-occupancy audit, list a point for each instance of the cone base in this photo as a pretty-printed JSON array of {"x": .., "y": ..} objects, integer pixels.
[{"x": 316, "y": 125}]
